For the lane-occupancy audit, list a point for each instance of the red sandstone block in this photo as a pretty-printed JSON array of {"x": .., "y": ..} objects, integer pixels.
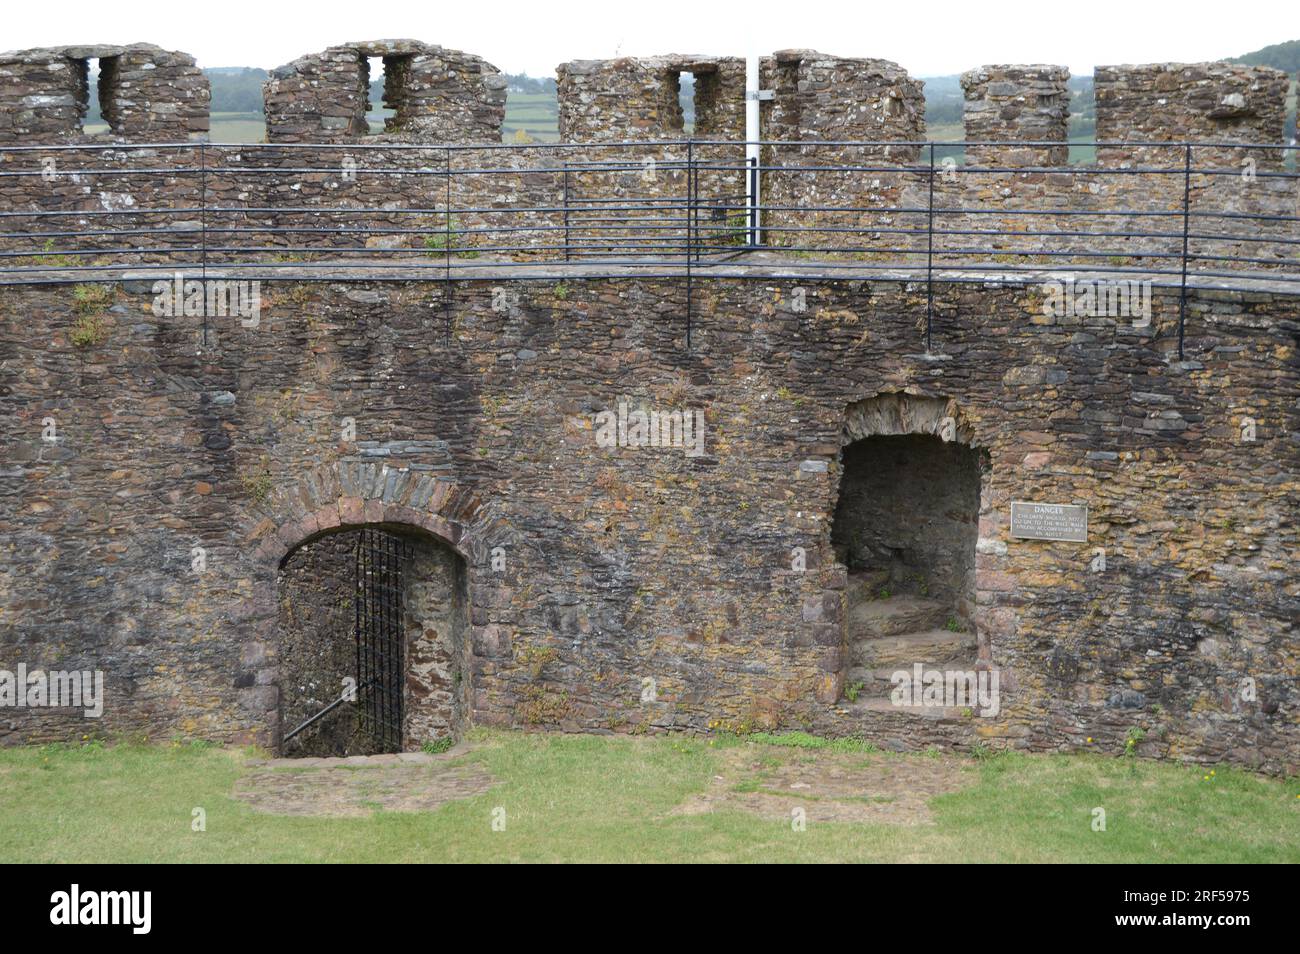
[
  {"x": 253, "y": 655},
  {"x": 260, "y": 737},
  {"x": 305, "y": 503},
  {"x": 374, "y": 511},
  {"x": 395, "y": 513},
  {"x": 291, "y": 533},
  {"x": 829, "y": 687},
  {"x": 328, "y": 517},
  {"x": 352, "y": 511},
  {"x": 263, "y": 592},
  {"x": 434, "y": 524}
]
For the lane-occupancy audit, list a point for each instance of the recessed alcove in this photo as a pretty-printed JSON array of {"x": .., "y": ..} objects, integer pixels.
[
  {"x": 905, "y": 527},
  {"x": 372, "y": 652}
]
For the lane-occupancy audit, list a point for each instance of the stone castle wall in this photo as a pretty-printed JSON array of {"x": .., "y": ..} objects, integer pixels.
[
  {"x": 475, "y": 423},
  {"x": 474, "y": 404}
]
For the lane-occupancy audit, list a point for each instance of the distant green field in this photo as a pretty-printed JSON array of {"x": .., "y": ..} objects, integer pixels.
[
  {"x": 224, "y": 127},
  {"x": 536, "y": 114},
  {"x": 237, "y": 127}
]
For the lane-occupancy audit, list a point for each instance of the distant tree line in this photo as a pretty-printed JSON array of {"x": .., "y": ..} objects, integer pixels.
[{"x": 1281, "y": 56}]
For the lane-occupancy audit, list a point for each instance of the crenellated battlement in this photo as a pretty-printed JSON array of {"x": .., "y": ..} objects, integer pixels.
[
  {"x": 441, "y": 96},
  {"x": 145, "y": 93},
  {"x": 437, "y": 95},
  {"x": 637, "y": 98},
  {"x": 820, "y": 97},
  {"x": 844, "y": 172},
  {"x": 1186, "y": 102},
  {"x": 1029, "y": 103}
]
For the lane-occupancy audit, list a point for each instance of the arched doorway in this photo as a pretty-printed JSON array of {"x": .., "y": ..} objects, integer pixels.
[
  {"x": 372, "y": 650},
  {"x": 906, "y": 526}
]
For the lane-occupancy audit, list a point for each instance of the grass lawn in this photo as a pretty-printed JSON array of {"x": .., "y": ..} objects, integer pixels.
[{"x": 596, "y": 798}]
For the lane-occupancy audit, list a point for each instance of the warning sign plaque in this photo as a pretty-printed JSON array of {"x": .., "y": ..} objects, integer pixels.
[{"x": 1043, "y": 521}]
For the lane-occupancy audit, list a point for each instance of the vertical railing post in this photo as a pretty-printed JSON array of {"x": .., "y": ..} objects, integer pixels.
[
  {"x": 1187, "y": 206},
  {"x": 929, "y": 258},
  {"x": 694, "y": 187},
  {"x": 203, "y": 228},
  {"x": 567, "y": 239},
  {"x": 446, "y": 250},
  {"x": 752, "y": 211},
  {"x": 203, "y": 207},
  {"x": 690, "y": 237}
]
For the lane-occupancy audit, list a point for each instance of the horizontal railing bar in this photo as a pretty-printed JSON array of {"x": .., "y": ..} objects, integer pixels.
[
  {"x": 639, "y": 144},
  {"x": 916, "y": 275},
  {"x": 766, "y": 207},
  {"x": 436, "y": 272},
  {"x": 667, "y": 165},
  {"x": 644, "y": 233}
]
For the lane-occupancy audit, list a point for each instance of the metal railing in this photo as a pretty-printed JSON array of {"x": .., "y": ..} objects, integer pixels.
[{"x": 1175, "y": 215}]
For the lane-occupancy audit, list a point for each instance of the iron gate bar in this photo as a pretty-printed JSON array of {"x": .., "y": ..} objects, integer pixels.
[
  {"x": 1187, "y": 200},
  {"x": 381, "y": 560}
]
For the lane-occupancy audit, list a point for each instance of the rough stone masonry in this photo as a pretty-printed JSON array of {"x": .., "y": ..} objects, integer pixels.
[{"x": 163, "y": 478}]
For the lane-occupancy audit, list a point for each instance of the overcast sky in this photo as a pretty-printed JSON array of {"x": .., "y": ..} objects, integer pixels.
[{"x": 928, "y": 38}]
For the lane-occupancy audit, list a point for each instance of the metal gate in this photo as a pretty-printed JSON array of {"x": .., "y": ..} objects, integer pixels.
[{"x": 381, "y": 561}]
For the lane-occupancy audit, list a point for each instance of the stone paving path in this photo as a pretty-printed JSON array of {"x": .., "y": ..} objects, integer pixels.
[
  {"x": 829, "y": 786},
  {"x": 361, "y": 784}
]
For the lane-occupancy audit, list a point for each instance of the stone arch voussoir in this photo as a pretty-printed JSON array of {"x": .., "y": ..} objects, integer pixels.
[
  {"x": 359, "y": 493},
  {"x": 893, "y": 413}
]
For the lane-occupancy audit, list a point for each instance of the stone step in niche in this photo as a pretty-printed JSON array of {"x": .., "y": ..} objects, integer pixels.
[
  {"x": 934, "y": 647},
  {"x": 904, "y": 613},
  {"x": 891, "y": 632},
  {"x": 878, "y": 706}
]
